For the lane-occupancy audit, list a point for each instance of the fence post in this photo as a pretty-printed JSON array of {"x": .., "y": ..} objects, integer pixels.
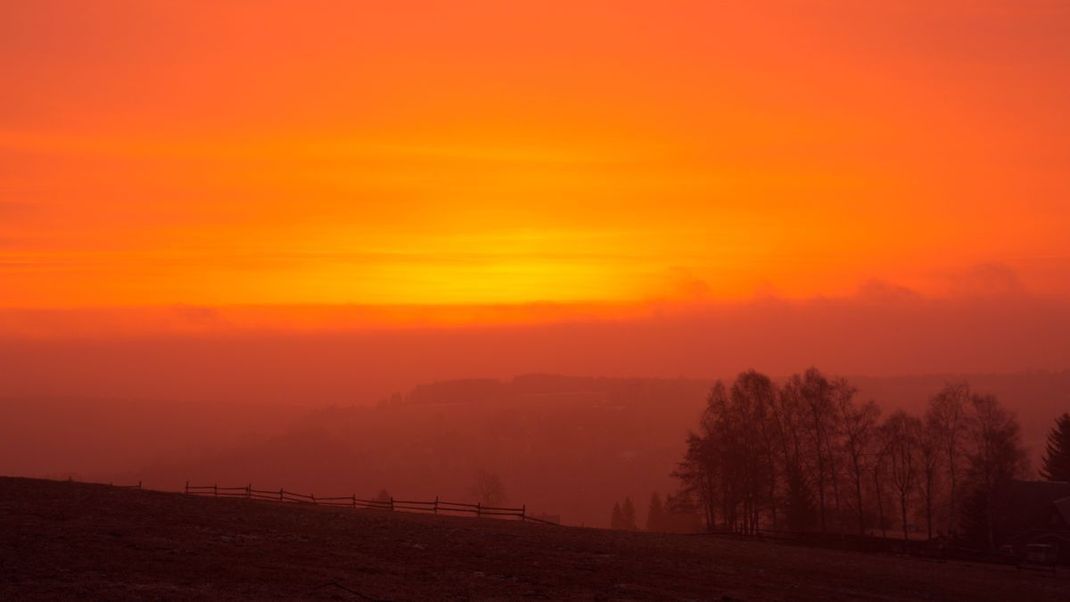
[
  {"x": 391, "y": 503},
  {"x": 187, "y": 487},
  {"x": 249, "y": 490},
  {"x": 215, "y": 489},
  {"x": 280, "y": 494},
  {"x": 479, "y": 510},
  {"x": 436, "y": 505},
  {"x": 139, "y": 484},
  {"x": 354, "y": 501},
  {"x": 524, "y": 512},
  {"x": 313, "y": 496}
]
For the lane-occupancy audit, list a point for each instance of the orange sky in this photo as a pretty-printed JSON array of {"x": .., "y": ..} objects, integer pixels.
[{"x": 590, "y": 154}]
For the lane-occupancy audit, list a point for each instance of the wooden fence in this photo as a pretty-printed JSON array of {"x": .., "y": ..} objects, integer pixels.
[{"x": 435, "y": 506}]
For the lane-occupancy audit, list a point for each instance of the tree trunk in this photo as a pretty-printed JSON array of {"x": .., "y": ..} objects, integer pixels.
[
  {"x": 836, "y": 496},
  {"x": 821, "y": 491},
  {"x": 990, "y": 523},
  {"x": 929, "y": 503},
  {"x": 952, "y": 515},
  {"x": 858, "y": 500},
  {"x": 880, "y": 505},
  {"x": 772, "y": 492},
  {"x": 903, "y": 506}
]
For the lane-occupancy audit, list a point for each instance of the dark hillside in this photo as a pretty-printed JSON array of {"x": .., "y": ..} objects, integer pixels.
[{"x": 73, "y": 540}]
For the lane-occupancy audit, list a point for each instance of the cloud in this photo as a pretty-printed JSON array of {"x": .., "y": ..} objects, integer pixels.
[
  {"x": 300, "y": 353},
  {"x": 199, "y": 315},
  {"x": 883, "y": 291},
  {"x": 684, "y": 284},
  {"x": 986, "y": 280}
]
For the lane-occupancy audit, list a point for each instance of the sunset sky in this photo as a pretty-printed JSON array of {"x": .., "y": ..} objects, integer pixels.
[
  {"x": 462, "y": 155},
  {"x": 354, "y": 247}
]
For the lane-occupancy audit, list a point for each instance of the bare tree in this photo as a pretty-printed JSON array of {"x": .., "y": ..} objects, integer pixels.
[
  {"x": 722, "y": 451},
  {"x": 760, "y": 448},
  {"x": 901, "y": 433},
  {"x": 786, "y": 420},
  {"x": 996, "y": 454},
  {"x": 701, "y": 469},
  {"x": 948, "y": 417},
  {"x": 488, "y": 489},
  {"x": 859, "y": 426},
  {"x": 730, "y": 463},
  {"x": 816, "y": 392},
  {"x": 929, "y": 456},
  {"x": 747, "y": 422},
  {"x": 698, "y": 472},
  {"x": 878, "y": 468}
]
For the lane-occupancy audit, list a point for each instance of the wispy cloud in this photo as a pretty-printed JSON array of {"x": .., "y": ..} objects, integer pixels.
[{"x": 987, "y": 279}]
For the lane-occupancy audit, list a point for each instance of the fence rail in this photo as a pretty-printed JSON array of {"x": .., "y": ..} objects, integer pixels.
[{"x": 435, "y": 506}]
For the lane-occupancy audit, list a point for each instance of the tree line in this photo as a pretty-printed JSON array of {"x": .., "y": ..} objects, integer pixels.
[
  {"x": 676, "y": 514},
  {"x": 806, "y": 454}
]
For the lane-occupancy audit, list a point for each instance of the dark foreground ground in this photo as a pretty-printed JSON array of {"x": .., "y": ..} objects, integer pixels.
[{"x": 72, "y": 540}]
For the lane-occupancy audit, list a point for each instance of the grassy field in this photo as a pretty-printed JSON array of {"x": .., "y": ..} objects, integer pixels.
[{"x": 73, "y": 540}]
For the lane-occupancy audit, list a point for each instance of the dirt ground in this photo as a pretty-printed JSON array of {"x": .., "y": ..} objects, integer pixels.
[{"x": 72, "y": 540}]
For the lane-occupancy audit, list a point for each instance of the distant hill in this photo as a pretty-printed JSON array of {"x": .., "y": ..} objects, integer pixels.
[
  {"x": 566, "y": 445},
  {"x": 105, "y": 438}
]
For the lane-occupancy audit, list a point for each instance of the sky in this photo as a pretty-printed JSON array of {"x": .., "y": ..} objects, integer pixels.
[
  {"x": 231, "y": 226},
  {"x": 210, "y": 207},
  {"x": 456, "y": 155}
]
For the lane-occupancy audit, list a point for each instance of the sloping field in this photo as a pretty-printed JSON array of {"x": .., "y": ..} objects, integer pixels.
[{"x": 72, "y": 540}]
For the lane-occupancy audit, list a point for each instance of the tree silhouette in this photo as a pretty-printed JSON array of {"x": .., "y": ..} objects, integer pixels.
[
  {"x": 627, "y": 515},
  {"x": 859, "y": 429},
  {"x": 681, "y": 514},
  {"x": 817, "y": 393},
  {"x": 948, "y": 417},
  {"x": 655, "y": 516},
  {"x": 807, "y": 453},
  {"x": 929, "y": 457},
  {"x": 616, "y": 520},
  {"x": 878, "y": 469},
  {"x": 750, "y": 403},
  {"x": 488, "y": 489},
  {"x": 902, "y": 433},
  {"x": 1056, "y": 465},
  {"x": 800, "y": 508},
  {"x": 996, "y": 457}
]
